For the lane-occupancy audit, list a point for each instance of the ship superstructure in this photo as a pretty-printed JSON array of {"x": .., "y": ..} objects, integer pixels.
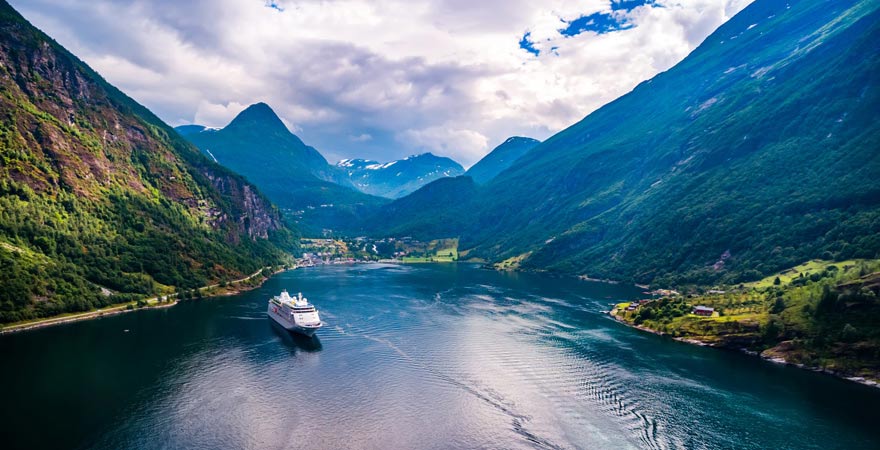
[{"x": 294, "y": 313}]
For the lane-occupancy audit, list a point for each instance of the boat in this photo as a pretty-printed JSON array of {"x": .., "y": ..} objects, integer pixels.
[{"x": 295, "y": 314}]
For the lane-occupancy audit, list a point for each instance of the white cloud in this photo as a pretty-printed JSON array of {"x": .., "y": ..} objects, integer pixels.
[
  {"x": 213, "y": 114},
  {"x": 405, "y": 73},
  {"x": 458, "y": 144}
]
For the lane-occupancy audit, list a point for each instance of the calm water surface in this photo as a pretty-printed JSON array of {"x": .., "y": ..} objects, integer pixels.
[{"x": 412, "y": 357}]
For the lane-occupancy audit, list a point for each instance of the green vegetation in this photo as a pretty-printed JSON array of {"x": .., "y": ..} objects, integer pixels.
[
  {"x": 500, "y": 158},
  {"x": 440, "y": 250},
  {"x": 100, "y": 202},
  {"x": 436, "y": 210},
  {"x": 806, "y": 269},
  {"x": 746, "y": 158},
  {"x": 313, "y": 194},
  {"x": 512, "y": 263},
  {"x": 825, "y": 316}
]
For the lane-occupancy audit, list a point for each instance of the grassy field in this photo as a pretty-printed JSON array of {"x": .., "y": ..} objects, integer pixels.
[
  {"x": 440, "y": 250},
  {"x": 512, "y": 263},
  {"x": 806, "y": 269},
  {"x": 821, "y": 314}
]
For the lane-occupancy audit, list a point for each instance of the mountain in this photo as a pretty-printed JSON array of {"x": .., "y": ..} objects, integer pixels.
[
  {"x": 101, "y": 201},
  {"x": 500, "y": 158},
  {"x": 398, "y": 178},
  {"x": 293, "y": 175},
  {"x": 258, "y": 136},
  {"x": 433, "y": 211},
  {"x": 186, "y": 130},
  {"x": 757, "y": 152}
]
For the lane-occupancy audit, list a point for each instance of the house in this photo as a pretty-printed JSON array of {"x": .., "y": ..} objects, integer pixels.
[{"x": 704, "y": 311}]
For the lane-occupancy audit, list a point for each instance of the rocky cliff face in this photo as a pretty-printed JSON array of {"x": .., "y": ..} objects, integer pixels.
[
  {"x": 74, "y": 131},
  {"x": 256, "y": 217},
  {"x": 97, "y": 192}
]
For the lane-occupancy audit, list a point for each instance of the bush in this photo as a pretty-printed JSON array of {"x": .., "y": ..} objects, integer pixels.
[{"x": 850, "y": 334}]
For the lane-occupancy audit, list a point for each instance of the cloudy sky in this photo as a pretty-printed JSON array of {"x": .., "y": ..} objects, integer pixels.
[{"x": 382, "y": 79}]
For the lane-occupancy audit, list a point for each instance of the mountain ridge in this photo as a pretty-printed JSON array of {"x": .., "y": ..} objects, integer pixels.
[
  {"x": 311, "y": 192},
  {"x": 101, "y": 201},
  {"x": 398, "y": 178},
  {"x": 501, "y": 158},
  {"x": 658, "y": 165},
  {"x": 751, "y": 155}
]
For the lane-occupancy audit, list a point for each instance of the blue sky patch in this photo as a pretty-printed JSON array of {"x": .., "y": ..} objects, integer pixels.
[
  {"x": 274, "y": 5},
  {"x": 599, "y": 23},
  {"x": 629, "y": 5},
  {"x": 526, "y": 44}
]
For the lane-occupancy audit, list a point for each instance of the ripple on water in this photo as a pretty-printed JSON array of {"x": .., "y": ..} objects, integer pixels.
[{"x": 423, "y": 357}]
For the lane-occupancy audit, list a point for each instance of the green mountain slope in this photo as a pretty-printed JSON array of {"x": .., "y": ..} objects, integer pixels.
[
  {"x": 256, "y": 137},
  {"x": 185, "y": 130},
  {"x": 500, "y": 158},
  {"x": 437, "y": 210},
  {"x": 293, "y": 175},
  {"x": 755, "y": 153},
  {"x": 100, "y": 200}
]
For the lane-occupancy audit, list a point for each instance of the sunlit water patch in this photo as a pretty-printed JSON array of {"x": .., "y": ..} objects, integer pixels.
[{"x": 422, "y": 356}]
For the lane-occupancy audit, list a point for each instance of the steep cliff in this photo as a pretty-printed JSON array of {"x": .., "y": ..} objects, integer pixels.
[{"x": 99, "y": 199}]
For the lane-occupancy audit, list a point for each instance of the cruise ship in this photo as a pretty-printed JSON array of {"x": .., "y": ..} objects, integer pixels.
[{"x": 294, "y": 313}]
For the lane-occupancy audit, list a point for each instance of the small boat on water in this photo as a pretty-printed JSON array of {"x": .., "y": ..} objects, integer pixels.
[{"x": 294, "y": 313}]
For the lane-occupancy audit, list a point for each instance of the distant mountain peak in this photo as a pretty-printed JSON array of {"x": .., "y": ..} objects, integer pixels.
[
  {"x": 185, "y": 130},
  {"x": 258, "y": 116},
  {"x": 425, "y": 155},
  {"x": 513, "y": 139},
  {"x": 500, "y": 158},
  {"x": 397, "y": 178}
]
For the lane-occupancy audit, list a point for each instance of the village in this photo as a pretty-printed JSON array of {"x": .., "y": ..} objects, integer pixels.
[
  {"x": 318, "y": 251},
  {"x": 698, "y": 310}
]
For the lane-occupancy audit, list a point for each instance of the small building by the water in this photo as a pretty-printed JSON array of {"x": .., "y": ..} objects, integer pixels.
[{"x": 704, "y": 311}]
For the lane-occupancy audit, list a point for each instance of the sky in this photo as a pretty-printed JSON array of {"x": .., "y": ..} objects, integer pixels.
[{"x": 382, "y": 79}]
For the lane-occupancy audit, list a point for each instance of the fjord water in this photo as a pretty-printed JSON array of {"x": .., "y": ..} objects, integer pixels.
[{"x": 422, "y": 356}]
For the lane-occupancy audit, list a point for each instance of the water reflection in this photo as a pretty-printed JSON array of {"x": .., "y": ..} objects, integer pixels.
[
  {"x": 295, "y": 341},
  {"x": 417, "y": 357}
]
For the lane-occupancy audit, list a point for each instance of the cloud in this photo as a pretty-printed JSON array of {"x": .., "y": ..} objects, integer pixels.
[
  {"x": 360, "y": 138},
  {"x": 458, "y": 144},
  {"x": 408, "y": 74},
  {"x": 213, "y": 114}
]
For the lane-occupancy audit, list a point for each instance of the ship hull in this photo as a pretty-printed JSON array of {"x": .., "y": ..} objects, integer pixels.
[{"x": 291, "y": 326}]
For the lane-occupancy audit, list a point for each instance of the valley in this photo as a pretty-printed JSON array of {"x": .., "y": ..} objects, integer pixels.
[{"x": 490, "y": 283}]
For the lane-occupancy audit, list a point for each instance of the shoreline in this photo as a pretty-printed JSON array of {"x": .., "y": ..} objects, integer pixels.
[
  {"x": 773, "y": 360},
  {"x": 152, "y": 303}
]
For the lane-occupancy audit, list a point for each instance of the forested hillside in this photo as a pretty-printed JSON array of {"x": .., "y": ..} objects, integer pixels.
[
  {"x": 757, "y": 152},
  {"x": 295, "y": 176},
  {"x": 437, "y": 210},
  {"x": 500, "y": 158},
  {"x": 99, "y": 200},
  {"x": 819, "y": 314}
]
